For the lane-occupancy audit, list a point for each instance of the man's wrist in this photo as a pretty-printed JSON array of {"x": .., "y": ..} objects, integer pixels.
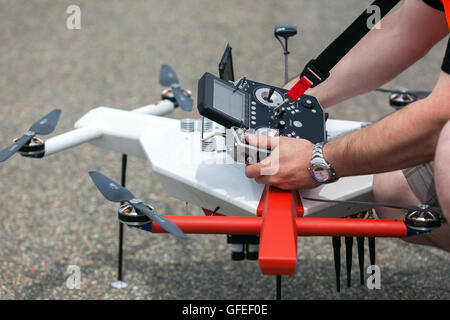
[{"x": 329, "y": 156}]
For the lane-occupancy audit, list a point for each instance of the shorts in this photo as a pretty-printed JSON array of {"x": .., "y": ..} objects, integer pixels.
[{"x": 421, "y": 181}]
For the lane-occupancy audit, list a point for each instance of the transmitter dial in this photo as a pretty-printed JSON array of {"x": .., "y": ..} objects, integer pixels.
[{"x": 262, "y": 94}]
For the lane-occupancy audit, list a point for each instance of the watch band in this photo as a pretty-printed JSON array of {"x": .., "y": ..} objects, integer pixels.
[{"x": 318, "y": 160}]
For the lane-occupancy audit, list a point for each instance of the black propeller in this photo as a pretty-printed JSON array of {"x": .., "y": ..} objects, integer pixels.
[
  {"x": 168, "y": 78},
  {"x": 114, "y": 192},
  {"x": 417, "y": 94},
  {"x": 46, "y": 125}
]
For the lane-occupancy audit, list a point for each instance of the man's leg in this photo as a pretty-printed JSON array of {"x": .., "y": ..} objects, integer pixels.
[
  {"x": 442, "y": 180},
  {"x": 395, "y": 188},
  {"x": 392, "y": 188}
]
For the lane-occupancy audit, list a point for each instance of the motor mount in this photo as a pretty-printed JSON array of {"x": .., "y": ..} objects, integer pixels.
[
  {"x": 35, "y": 148},
  {"x": 167, "y": 94},
  {"x": 399, "y": 100},
  {"x": 424, "y": 220},
  {"x": 129, "y": 216}
]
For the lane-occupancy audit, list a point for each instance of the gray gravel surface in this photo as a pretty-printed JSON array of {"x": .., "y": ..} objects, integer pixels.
[{"x": 52, "y": 215}]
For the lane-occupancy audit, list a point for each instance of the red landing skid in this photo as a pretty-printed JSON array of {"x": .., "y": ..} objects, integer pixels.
[{"x": 279, "y": 222}]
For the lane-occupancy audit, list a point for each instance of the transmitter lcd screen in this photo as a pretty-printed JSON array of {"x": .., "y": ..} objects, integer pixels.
[{"x": 229, "y": 102}]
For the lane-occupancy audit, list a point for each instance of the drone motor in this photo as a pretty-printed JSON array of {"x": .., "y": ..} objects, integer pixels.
[
  {"x": 423, "y": 220},
  {"x": 128, "y": 215},
  {"x": 167, "y": 94},
  {"x": 35, "y": 148},
  {"x": 400, "y": 100}
]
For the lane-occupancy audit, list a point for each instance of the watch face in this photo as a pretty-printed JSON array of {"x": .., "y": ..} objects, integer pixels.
[{"x": 320, "y": 174}]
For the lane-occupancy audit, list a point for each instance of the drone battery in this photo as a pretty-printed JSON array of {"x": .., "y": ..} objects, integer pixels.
[{"x": 128, "y": 215}]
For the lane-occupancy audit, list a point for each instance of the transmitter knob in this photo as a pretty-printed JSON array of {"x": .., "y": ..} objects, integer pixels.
[
  {"x": 279, "y": 125},
  {"x": 308, "y": 103}
]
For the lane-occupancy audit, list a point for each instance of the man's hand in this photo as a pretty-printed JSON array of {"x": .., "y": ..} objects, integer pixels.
[{"x": 292, "y": 165}]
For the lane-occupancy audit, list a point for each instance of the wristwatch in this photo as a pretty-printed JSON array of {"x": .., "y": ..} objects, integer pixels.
[{"x": 319, "y": 168}]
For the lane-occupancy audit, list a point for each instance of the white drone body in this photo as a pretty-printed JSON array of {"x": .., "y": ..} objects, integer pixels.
[{"x": 209, "y": 180}]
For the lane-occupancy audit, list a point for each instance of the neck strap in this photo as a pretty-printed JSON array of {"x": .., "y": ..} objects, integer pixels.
[{"x": 318, "y": 70}]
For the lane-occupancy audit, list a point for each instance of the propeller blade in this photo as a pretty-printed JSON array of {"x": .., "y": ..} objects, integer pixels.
[
  {"x": 422, "y": 94},
  {"x": 388, "y": 90},
  {"x": 111, "y": 190},
  {"x": 164, "y": 223},
  {"x": 183, "y": 101},
  {"x": 11, "y": 150},
  {"x": 47, "y": 124},
  {"x": 167, "y": 76},
  {"x": 418, "y": 94},
  {"x": 436, "y": 209}
]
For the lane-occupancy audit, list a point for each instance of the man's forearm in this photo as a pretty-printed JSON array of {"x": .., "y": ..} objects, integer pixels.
[
  {"x": 403, "y": 139},
  {"x": 405, "y": 36}
]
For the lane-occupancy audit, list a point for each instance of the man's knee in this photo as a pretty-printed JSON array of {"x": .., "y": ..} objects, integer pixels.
[
  {"x": 392, "y": 188},
  {"x": 441, "y": 169},
  {"x": 442, "y": 155}
]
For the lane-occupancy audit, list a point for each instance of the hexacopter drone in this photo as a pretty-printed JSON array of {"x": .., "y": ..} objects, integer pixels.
[{"x": 214, "y": 153}]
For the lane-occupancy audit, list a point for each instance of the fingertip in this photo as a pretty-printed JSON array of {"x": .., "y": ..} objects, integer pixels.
[
  {"x": 251, "y": 138},
  {"x": 252, "y": 171}
]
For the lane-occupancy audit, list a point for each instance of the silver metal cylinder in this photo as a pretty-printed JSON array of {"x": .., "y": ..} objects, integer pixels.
[
  {"x": 209, "y": 145},
  {"x": 187, "y": 125},
  {"x": 205, "y": 124}
]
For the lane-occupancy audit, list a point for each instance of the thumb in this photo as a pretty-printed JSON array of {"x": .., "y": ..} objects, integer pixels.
[{"x": 261, "y": 141}]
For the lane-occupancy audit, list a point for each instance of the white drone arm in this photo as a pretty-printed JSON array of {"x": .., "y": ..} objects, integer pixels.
[
  {"x": 114, "y": 123},
  {"x": 162, "y": 108},
  {"x": 71, "y": 139}
]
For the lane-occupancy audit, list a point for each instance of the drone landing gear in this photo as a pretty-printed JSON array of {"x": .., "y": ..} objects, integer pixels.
[
  {"x": 349, "y": 255},
  {"x": 278, "y": 287},
  {"x": 120, "y": 284},
  {"x": 360, "y": 243}
]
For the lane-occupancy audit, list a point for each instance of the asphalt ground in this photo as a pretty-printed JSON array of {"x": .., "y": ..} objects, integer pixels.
[{"x": 51, "y": 214}]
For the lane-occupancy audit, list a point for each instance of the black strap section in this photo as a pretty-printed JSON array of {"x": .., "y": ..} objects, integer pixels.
[
  {"x": 344, "y": 43},
  {"x": 436, "y": 4},
  {"x": 446, "y": 62}
]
